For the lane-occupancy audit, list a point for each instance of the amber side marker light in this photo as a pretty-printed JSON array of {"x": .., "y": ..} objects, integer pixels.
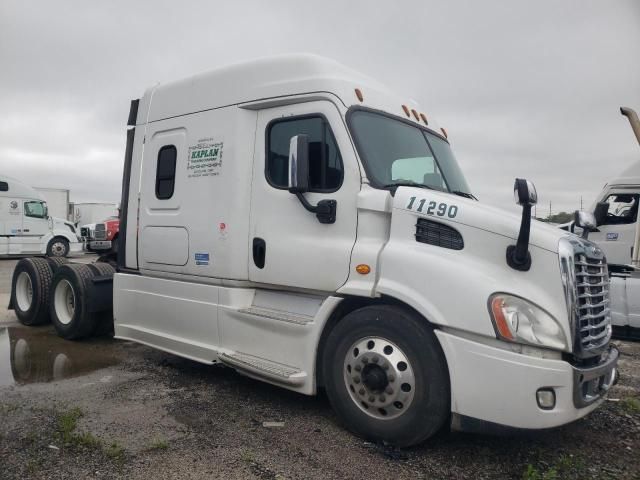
[
  {"x": 498, "y": 316},
  {"x": 359, "y": 94},
  {"x": 363, "y": 269},
  {"x": 424, "y": 118},
  {"x": 406, "y": 110},
  {"x": 444, "y": 132},
  {"x": 415, "y": 114}
]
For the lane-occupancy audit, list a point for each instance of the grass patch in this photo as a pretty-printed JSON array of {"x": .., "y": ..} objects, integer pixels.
[
  {"x": 7, "y": 408},
  {"x": 630, "y": 405},
  {"x": 115, "y": 451},
  {"x": 566, "y": 466},
  {"x": 247, "y": 456},
  {"x": 159, "y": 444},
  {"x": 67, "y": 423},
  {"x": 532, "y": 473}
]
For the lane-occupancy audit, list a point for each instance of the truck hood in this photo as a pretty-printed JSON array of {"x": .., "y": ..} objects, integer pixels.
[
  {"x": 62, "y": 223},
  {"x": 471, "y": 213}
]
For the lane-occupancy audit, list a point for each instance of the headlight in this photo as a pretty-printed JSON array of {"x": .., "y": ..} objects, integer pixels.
[{"x": 519, "y": 321}]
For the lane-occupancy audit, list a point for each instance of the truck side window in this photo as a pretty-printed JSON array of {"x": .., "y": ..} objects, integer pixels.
[
  {"x": 166, "y": 172},
  {"x": 623, "y": 209},
  {"x": 4, "y": 187},
  {"x": 325, "y": 163},
  {"x": 34, "y": 209}
]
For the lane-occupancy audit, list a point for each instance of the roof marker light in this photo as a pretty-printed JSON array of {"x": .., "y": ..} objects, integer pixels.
[
  {"x": 415, "y": 114},
  {"x": 406, "y": 110},
  {"x": 444, "y": 132},
  {"x": 359, "y": 94},
  {"x": 424, "y": 118}
]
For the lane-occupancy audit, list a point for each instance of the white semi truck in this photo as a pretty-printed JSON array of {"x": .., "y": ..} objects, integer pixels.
[
  {"x": 26, "y": 227},
  {"x": 296, "y": 221},
  {"x": 617, "y": 232}
]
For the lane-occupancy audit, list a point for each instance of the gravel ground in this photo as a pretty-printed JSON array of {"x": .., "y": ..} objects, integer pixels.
[{"x": 109, "y": 409}]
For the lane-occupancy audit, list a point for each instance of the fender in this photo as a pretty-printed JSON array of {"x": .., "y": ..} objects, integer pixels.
[{"x": 46, "y": 238}]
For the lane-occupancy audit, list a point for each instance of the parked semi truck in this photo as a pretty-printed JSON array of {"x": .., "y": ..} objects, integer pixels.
[
  {"x": 617, "y": 232},
  {"x": 26, "y": 227},
  {"x": 102, "y": 236},
  {"x": 298, "y": 222}
]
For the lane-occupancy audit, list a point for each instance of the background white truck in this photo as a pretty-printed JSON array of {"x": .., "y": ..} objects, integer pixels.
[
  {"x": 27, "y": 227},
  {"x": 296, "y": 221},
  {"x": 618, "y": 234}
]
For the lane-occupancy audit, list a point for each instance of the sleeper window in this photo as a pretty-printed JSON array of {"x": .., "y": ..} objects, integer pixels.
[
  {"x": 325, "y": 162},
  {"x": 166, "y": 172},
  {"x": 4, "y": 187}
]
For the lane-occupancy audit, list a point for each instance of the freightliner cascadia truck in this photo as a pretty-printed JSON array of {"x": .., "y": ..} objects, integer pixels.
[{"x": 298, "y": 222}]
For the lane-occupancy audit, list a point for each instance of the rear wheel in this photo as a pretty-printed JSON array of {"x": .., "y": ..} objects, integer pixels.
[
  {"x": 58, "y": 247},
  {"x": 386, "y": 376},
  {"x": 69, "y": 313},
  {"x": 30, "y": 290}
]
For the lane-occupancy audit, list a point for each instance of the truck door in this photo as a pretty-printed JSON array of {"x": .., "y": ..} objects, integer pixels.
[
  {"x": 34, "y": 220},
  {"x": 616, "y": 235},
  {"x": 288, "y": 245}
]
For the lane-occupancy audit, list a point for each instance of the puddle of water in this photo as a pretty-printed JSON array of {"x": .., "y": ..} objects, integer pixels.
[{"x": 37, "y": 355}]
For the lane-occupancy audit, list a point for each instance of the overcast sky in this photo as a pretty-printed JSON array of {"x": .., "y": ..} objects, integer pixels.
[{"x": 529, "y": 89}]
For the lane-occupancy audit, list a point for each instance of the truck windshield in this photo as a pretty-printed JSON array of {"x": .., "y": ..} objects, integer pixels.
[{"x": 397, "y": 153}]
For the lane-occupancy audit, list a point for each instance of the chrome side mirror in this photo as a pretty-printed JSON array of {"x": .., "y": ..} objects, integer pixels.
[
  {"x": 524, "y": 192},
  {"x": 518, "y": 256},
  {"x": 586, "y": 221},
  {"x": 299, "y": 164}
]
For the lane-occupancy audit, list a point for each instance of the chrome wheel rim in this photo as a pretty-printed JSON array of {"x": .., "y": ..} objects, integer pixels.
[
  {"x": 58, "y": 249},
  {"x": 64, "y": 302},
  {"x": 379, "y": 378},
  {"x": 24, "y": 291}
]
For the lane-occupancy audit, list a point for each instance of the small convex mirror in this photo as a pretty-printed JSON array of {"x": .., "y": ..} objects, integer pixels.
[
  {"x": 585, "y": 220},
  {"x": 524, "y": 192},
  {"x": 299, "y": 164}
]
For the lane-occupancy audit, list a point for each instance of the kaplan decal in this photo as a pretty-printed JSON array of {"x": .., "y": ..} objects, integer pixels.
[{"x": 204, "y": 159}]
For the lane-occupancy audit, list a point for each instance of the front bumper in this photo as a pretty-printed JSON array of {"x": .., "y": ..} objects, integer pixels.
[
  {"x": 99, "y": 244},
  {"x": 499, "y": 386}
]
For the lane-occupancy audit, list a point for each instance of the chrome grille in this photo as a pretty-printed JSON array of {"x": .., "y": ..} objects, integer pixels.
[
  {"x": 100, "y": 231},
  {"x": 593, "y": 319}
]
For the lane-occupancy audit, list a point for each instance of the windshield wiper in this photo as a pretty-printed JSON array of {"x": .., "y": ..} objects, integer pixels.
[
  {"x": 465, "y": 194},
  {"x": 407, "y": 184}
]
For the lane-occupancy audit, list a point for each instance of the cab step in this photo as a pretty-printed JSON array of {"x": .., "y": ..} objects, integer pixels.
[
  {"x": 289, "y": 317},
  {"x": 262, "y": 368}
]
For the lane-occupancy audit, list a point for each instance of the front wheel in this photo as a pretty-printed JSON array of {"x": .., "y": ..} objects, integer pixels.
[
  {"x": 386, "y": 376},
  {"x": 58, "y": 247}
]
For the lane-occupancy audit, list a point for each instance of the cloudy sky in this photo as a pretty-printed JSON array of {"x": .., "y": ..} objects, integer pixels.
[{"x": 526, "y": 89}]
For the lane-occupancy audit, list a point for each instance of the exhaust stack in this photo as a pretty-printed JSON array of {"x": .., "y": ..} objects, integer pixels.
[
  {"x": 635, "y": 126},
  {"x": 633, "y": 120}
]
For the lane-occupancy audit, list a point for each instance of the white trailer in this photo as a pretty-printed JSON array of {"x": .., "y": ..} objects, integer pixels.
[
  {"x": 298, "y": 222},
  {"x": 92, "y": 212},
  {"x": 57, "y": 201},
  {"x": 27, "y": 226}
]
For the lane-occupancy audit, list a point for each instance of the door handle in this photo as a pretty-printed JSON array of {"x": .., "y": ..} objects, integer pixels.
[{"x": 259, "y": 252}]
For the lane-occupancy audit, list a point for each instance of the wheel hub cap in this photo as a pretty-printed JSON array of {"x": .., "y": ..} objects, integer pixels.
[{"x": 379, "y": 377}]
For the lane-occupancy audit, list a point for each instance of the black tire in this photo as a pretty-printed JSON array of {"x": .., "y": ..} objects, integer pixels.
[
  {"x": 31, "y": 279},
  {"x": 395, "y": 423},
  {"x": 56, "y": 262},
  {"x": 58, "y": 247},
  {"x": 69, "y": 312},
  {"x": 102, "y": 268}
]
